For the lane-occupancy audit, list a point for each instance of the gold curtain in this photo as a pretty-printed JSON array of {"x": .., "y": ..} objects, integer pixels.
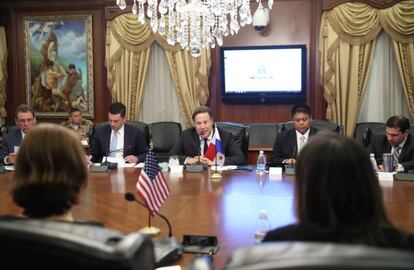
[
  {"x": 127, "y": 56},
  {"x": 3, "y": 73},
  {"x": 347, "y": 43},
  {"x": 398, "y": 22},
  {"x": 190, "y": 77},
  {"x": 128, "y": 48},
  {"x": 347, "y": 40}
]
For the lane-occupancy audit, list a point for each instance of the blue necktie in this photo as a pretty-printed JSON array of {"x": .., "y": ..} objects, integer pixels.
[{"x": 113, "y": 145}]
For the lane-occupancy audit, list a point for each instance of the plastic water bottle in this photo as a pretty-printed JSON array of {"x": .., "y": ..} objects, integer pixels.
[
  {"x": 262, "y": 227},
  {"x": 373, "y": 161},
  {"x": 261, "y": 163}
]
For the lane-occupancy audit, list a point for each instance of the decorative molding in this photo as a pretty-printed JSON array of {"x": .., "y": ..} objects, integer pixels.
[
  {"x": 330, "y": 4},
  {"x": 112, "y": 11}
]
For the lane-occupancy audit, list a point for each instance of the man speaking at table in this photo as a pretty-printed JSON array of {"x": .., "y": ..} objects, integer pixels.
[{"x": 192, "y": 148}]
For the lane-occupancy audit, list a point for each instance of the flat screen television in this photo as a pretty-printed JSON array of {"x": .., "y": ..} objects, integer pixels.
[{"x": 263, "y": 74}]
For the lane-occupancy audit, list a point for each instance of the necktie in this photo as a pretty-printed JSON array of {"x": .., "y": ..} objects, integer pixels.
[
  {"x": 396, "y": 154},
  {"x": 205, "y": 146},
  {"x": 301, "y": 142},
  {"x": 113, "y": 145}
]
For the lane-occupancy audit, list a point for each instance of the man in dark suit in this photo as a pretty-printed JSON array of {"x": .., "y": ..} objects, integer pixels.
[
  {"x": 397, "y": 141},
  {"x": 289, "y": 143},
  {"x": 194, "y": 141},
  {"x": 25, "y": 120},
  {"x": 118, "y": 139}
]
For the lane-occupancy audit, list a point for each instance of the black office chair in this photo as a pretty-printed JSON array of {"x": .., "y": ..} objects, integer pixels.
[
  {"x": 319, "y": 125},
  {"x": 240, "y": 134},
  {"x": 9, "y": 129},
  {"x": 365, "y": 131},
  {"x": 164, "y": 135},
  {"x": 316, "y": 256},
  {"x": 144, "y": 127},
  {"x": 263, "y": 134},
  {"x": 412, "y": 129},
  {"x": 43, "y": 244}
]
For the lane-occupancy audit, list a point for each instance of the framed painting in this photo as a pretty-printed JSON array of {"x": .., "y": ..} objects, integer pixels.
[{"x": 59, "y": 64}]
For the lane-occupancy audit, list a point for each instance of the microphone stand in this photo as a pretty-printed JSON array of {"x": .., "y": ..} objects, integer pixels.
[
  {"x": 168, "y": 247},
  {"x": 216, "y": 176}
]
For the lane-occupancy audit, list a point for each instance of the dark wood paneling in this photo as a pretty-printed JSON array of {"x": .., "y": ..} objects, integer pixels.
[
  {"x": 291, "y": 22},
  {"x": 15, "y": 11}
]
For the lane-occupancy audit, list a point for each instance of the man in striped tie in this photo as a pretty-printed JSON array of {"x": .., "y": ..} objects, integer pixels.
[{"x": 398, "y": 141}]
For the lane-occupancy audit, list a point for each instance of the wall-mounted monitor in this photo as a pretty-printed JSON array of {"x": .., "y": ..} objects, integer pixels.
[{"x": 263, "y": 74}]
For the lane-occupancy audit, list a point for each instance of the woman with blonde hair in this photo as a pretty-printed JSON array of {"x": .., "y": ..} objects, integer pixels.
[{"x": 50, "y": 173}]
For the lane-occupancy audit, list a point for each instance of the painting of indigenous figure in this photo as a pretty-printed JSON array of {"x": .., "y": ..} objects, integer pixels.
[{"x": 59, "y": 71}]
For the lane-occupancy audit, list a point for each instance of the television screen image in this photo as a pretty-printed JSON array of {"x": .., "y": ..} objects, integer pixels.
[{"x": 263, "y": 74}]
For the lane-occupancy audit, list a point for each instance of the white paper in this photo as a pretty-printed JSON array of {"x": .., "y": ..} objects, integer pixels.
[
  {"x": 172, "y": 267},
  {"x": 16, "y": 149},
  {"x": 114, "y": 160},
  {"x": 385, "y": 176},
  {"x": 121, "y": 162},
  {"x": 139, "y": 165},
  {"x": 275, "y": 173},
  {"x": 9, "y": 167},
  {"x": 224, "y": 168},
  {"x": 84, "y": 142},
  {"x": 176, "y": 169}
]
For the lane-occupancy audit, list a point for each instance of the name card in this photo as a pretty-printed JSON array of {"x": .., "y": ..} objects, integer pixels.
[
  {"x": 385, "y": 176},
  {"x": 275, "y": 173}
]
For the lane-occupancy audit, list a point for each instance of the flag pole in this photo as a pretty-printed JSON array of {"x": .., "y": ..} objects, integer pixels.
[
  {"x": 149, "y": 230},
  {"x": 216, "y": 176}
]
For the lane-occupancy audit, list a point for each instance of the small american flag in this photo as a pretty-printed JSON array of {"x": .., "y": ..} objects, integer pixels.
[{"x": 151, "y": 184}]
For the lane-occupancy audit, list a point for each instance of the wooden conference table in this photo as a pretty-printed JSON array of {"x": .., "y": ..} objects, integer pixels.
[{"x": 227, "y": 209}]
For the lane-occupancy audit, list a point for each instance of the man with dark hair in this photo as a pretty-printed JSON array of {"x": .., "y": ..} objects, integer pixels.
[
  {"x": 25, "y": 120},
  {"x": 289, "y": 143},
  {"x": 396, "y": 141},
  {"x": 118, "y": 139},
  {"x": 76, "y": 123},
  {"x": 194, "y": 141}
]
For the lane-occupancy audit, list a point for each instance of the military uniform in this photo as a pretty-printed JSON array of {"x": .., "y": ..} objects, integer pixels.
[{"x": 83, "y": 130}]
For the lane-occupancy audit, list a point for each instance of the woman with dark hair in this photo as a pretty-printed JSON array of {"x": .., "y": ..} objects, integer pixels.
[
  {"x": 338, "y": 198},
  {"x": 50, "y": 173}
]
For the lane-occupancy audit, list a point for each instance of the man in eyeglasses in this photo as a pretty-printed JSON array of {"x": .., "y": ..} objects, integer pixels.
[
  {"x": 397, "y": 141},
  {"x": 25, "y": 120}
]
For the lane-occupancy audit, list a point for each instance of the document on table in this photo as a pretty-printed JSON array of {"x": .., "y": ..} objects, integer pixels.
[{"x": 122, "y": 164}]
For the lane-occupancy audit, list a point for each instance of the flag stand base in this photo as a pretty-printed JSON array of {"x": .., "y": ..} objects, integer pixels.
[
  {"x": 150, "y": 231},
  {"x": 216, "y": 177}
]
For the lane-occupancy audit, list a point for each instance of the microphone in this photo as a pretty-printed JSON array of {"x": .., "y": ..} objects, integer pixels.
[
  {"x": 166, "y": 250},
  {"x": 293, "y": 154},
  {"x": 131, "y": 197},
  {"x": 290, "y": 168}
]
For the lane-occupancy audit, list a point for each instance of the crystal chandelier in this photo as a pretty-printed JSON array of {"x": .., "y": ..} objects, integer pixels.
[{"x": 194, "y": 24}]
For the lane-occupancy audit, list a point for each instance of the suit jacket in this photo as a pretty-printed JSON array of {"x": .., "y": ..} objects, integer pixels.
[
  {"x": 189, "y": 146},
  {"x": 286, "y": 145},
  {"x": 134, "y": 143},
  {"x": 9, "y": 142},
  {"x": 387, "y": 237},
  {"x": 380, "y": 145}
]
